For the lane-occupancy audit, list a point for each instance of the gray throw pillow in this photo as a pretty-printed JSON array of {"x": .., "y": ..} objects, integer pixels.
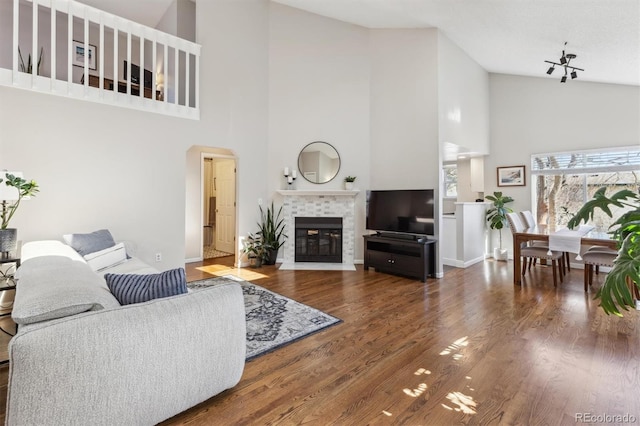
[
  {"x": 90, "y": 243},
  {"x": 135, "y": 288}
]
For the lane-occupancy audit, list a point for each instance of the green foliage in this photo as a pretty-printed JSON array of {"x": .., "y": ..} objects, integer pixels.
[
  {"x": 254, "y": 248},
  {"x": 271, "y": 228},
  {"x": 28, "y": 67},
  {"x": 614, "y": 293},
  {"x": 350, "y": 179},
  {"x": 25, "y": 189},
  {"x": 497, "y": 215},
  {"x": 268, "y": 239}
]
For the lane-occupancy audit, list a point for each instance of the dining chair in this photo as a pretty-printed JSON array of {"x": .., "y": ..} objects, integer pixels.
[
  {"x": 530, "y": 222},
  {"x": 536, "y": 252},
  {"x": 595, "y": 257}
]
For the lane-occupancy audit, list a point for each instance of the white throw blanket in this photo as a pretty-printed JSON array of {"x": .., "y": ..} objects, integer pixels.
[{"x": 568, "y": 240}]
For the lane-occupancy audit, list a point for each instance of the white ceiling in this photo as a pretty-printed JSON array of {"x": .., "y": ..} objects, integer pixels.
[
  {"x": 503, "y": 36},
  {"x": 514, "y": 36}
]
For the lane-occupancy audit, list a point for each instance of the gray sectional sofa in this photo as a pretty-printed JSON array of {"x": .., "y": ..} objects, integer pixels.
[{"x": 79, "y": 358}]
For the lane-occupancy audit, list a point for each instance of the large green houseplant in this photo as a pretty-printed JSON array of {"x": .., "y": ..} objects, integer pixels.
[
  {"x": 615, "y": 293},
  {"x": 23, "y": 188},
  {"x": 497, "y": 218},
  {"x": 271, "y": 233}
]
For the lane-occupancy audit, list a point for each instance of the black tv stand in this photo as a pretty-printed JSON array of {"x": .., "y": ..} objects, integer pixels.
[{"x": 400, "y": 255}]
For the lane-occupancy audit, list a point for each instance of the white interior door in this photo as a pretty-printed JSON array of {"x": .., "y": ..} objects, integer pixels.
[{"x": 225, "y": 234}]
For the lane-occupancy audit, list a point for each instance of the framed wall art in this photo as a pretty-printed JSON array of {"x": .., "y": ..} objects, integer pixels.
[
  {"x": 511, "y": 176},
  {"x": 78, "y": 55}
]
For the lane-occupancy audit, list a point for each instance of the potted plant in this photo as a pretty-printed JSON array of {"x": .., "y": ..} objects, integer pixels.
[
  {"x": 497, "y": 218},
  {"x": 615, "y": 292},
  {"x": 23, "y": 188},
  {"x": 255, "y": 250},
  {"x": 271, "y": 233},
  {"x": 28, "y": 67},
  {"x": 348, "y": 182}
]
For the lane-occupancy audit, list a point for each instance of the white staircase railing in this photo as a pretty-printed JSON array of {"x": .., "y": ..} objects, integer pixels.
[{"x": 128, "y": 64}]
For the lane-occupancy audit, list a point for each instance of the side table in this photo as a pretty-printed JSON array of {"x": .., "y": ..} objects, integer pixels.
[{"x": 7, "y": 279}]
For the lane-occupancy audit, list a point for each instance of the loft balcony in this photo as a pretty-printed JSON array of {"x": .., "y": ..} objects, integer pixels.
[{"x": 43, "y": 45}]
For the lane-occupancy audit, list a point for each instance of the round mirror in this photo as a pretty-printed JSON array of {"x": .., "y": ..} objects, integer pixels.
[{"x": 319, "y": 162}]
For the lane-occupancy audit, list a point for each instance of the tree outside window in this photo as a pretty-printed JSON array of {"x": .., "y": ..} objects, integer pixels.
[
  {"x": 450, "y": 180},
  {"x": 565, "y": 181}
]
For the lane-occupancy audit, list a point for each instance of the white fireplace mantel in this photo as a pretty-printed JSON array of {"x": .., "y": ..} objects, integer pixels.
[{"x": 318, "y": 192}]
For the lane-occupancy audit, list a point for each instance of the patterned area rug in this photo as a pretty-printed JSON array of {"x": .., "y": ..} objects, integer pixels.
[{"x": 272, "y": 319}]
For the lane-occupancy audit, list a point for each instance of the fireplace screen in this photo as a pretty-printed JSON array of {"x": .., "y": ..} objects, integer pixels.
[{"x": 318, "y": 239}]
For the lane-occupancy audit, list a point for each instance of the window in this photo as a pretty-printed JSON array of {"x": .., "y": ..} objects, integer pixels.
[
  {"x": 563, "y": 182},
  {"x": 450, "y": 180}
]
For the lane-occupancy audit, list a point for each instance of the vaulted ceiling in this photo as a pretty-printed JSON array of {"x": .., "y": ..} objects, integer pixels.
[{"x": 503, "y": 36}]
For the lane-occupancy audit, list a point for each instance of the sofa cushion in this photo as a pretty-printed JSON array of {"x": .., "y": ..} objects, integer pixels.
[
  {"x": 136, "y": 288},
  {"x": 52, "y": 287},
  {"x": 106, "y": 258},
  {"x": 42, "y": 248},
  {"x": 91, "y": 242}
]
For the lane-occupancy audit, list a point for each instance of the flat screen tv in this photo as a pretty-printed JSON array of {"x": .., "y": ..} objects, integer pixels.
[
  {"x": 402, "y": 211},
  {"x": 135, "y": 75}
]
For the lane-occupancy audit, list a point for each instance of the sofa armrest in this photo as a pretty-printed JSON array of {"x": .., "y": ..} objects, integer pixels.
[{"x": 137, "y": 364}]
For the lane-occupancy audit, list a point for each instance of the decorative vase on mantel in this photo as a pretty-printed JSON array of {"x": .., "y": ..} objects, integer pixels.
[
  {"x": 348, "y": 186},
  {"x": 8, "y": 239}
]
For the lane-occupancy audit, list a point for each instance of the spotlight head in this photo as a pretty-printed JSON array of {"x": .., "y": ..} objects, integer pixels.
[
  {"x": 550, "y": 70},
  {"x": 563, "y": 79},
  {"x": 563, "y": 60},
  {"x": 574, "y": 74}
]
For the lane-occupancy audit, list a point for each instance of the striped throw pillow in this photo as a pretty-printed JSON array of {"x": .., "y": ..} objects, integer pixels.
[{"x": 136, "y": 288}]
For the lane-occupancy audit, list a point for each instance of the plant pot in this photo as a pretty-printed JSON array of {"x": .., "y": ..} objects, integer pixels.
[
  {"x": 272, "y": 255},
  {"x": 500, "y": 254},
  {"x": 255, "y": 261},
  {"x": 8, "y": 239},
  {"x": 348, "y": 186}
]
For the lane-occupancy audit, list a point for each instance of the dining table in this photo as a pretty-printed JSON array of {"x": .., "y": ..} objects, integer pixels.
[{"x": 542, "y": 232}]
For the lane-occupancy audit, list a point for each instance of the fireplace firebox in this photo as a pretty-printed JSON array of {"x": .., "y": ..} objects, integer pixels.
[{"x": 318, "y": 239}]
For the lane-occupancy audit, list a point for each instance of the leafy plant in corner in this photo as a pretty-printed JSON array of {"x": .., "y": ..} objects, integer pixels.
[
  {"x": 615, "y": 293},
  {"x": 25, "y": 189},
  {"x": 271, "y": 233},
  {"x": 497, "y": 214}
]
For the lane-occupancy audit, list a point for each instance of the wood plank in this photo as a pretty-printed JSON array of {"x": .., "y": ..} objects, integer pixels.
[{"x": 470, "y": 348}]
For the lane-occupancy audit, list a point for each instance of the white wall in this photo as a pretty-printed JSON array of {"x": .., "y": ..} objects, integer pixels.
[
  {"x": 234, "y": 115},
  {"x": 318, "y": 91},
  {"x": 537, "y": 115},
  {"x": 404, "y": 109},
  {"x": 463, "y": 99}
]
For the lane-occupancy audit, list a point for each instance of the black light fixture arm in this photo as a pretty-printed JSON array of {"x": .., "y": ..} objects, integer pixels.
[{"x": 564, "y": 65}]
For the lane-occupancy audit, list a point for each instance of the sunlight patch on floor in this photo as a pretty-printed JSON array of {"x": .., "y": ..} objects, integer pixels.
[
  {"x": 221, "y": 270},
  {"x": 465, "y": 403},
  {"x": 421, "y": 387},
  {"x": 456, "y": 346}
]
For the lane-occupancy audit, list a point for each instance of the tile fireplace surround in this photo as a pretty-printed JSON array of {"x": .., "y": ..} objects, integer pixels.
[{"x": 319, "y": 203}]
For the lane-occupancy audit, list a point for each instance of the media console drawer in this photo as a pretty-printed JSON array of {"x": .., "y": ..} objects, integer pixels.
[{"x": 411, "y": 258}]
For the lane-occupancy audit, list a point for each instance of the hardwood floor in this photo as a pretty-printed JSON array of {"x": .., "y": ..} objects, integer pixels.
[{"x": 469, "y": 348}]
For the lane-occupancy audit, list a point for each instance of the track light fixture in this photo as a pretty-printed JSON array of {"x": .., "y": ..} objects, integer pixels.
[{"x": 565, "y": 60}]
